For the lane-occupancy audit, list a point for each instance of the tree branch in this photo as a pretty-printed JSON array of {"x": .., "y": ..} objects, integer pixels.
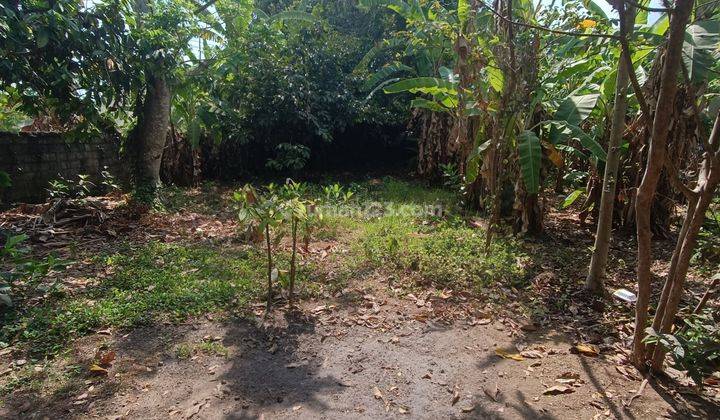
[
  {"x": 542, "y": 28},
  {"x": 625, "y": 54},
  {"x": 649, "y": 9},
  {"x": 676, "y": 182},
  {"x": 696, "y": 111}
]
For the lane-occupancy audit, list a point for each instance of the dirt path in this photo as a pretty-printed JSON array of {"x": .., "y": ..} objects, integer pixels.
[{"x": 378, "y": 359}]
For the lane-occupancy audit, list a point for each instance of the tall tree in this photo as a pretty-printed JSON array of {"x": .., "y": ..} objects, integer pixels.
[
  {"x": 655, "y": 162},
  {"x": 598, "y": 263},
  {"x": 162, "y": 31}
]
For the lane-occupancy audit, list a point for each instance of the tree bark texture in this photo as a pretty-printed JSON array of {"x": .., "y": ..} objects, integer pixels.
[
  {"x": 150, "y": 134},
  {"x": 595, "y": 281},
  {"x": 653, "y": 169},
  {"x": 700, "y": 199}
]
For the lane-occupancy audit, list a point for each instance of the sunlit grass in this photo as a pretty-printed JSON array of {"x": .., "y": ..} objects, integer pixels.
[
  {"x": 150, "y": 283},
  {"x": 448, "y": 253}
]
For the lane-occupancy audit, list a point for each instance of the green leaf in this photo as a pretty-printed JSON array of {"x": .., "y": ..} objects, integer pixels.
[
  {"x": 429, "y": 85},
  {"x": 380, "y": 86},
  {"x": 575, "y": 109},
  {"x": 447, "y": 74},
  {"x": 571, "y": 150},
  {"x": 641, "y": 17},
  {"x": 472, "y": 169},
  {"x": 572, "y": 68},
  {"x": 496, "y": 79},
  {"x": 660, "y": 26},
  {"x": 15, "y": 240},
  {"x": 427, "y": 104},
  {"x": 448, "y": 101},
  {"x": 530, "y": 154},
  {"x": 592, "y": 145},
  {"x": 384, "y": 73},
  {"x": 398, "y": 6},
  {"x": 42, "y": 38},
  {"x": 376, "y": 50},
  {"x": 585, "y": 139},
  {"x": 608, "y": 86},
  {"x": 194, "y": 132},
  {"x": 594, "y": 7},
  {"x": 570, "y": 199},
  {"x": 463, "y": 11},
  {"x": 701, "y": 39},
  {"x": 5, "y": 180}
]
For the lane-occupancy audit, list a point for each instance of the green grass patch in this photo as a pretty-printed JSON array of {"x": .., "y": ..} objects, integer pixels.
[
  {"x": 155, "y": 282},
  {"x": 447, "y": 253},
  {"x": 213, "y": 348},
  {"x": 409, "y": 192}
]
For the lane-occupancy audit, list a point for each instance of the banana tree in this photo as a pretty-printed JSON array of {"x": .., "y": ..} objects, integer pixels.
[{"x": 422, "y": 50}]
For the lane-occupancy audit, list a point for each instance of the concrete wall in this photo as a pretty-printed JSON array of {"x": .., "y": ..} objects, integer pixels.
[{"x": 34, "y": 159}]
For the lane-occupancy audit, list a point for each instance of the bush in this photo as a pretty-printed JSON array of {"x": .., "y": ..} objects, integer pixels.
[{"x": 696, "y": 347}]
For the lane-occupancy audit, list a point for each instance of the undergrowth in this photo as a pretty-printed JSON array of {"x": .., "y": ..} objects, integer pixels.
[
  {"x": 150, "y": 283},
  {"x": 386, "y": 224},
  {"x": 447, "y": 253}
]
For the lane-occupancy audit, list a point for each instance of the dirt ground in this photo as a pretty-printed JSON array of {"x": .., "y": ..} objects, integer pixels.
[
  {"x": 379, "y": 359},
  {"x": 370, "y": 351}
]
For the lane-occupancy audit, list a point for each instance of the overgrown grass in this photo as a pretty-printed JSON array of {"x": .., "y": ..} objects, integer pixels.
[
  {"x": 415, "y": 228},
  {"x": 410, "y": 193},
  {"x": 447, "y": 253},
  {"x": 151, "y": 283},
  {"x": 388, "y": 226}
]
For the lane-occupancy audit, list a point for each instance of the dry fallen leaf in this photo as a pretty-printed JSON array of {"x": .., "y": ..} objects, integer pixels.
[
  {"x": 97, "y": 370},
  {"x": 569, "y": 375},
  {"x": 507, "y": 355},
  {"x": 558, "y": 389},
  {"x": 456, "y": 397},
  {"x": 106, "y": 359},
  {"x": 586, "y": 349},
  {"x": 376, "y": 392},
  {"x": 626, "y": 372},
  {"x": 531, "y": 354}
]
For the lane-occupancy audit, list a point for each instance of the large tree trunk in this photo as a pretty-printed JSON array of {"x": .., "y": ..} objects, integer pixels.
[
  {"x": 655, "y": 163},
  {"x": 149, "y": 137},
  {"x": 595, "y": 281}
]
